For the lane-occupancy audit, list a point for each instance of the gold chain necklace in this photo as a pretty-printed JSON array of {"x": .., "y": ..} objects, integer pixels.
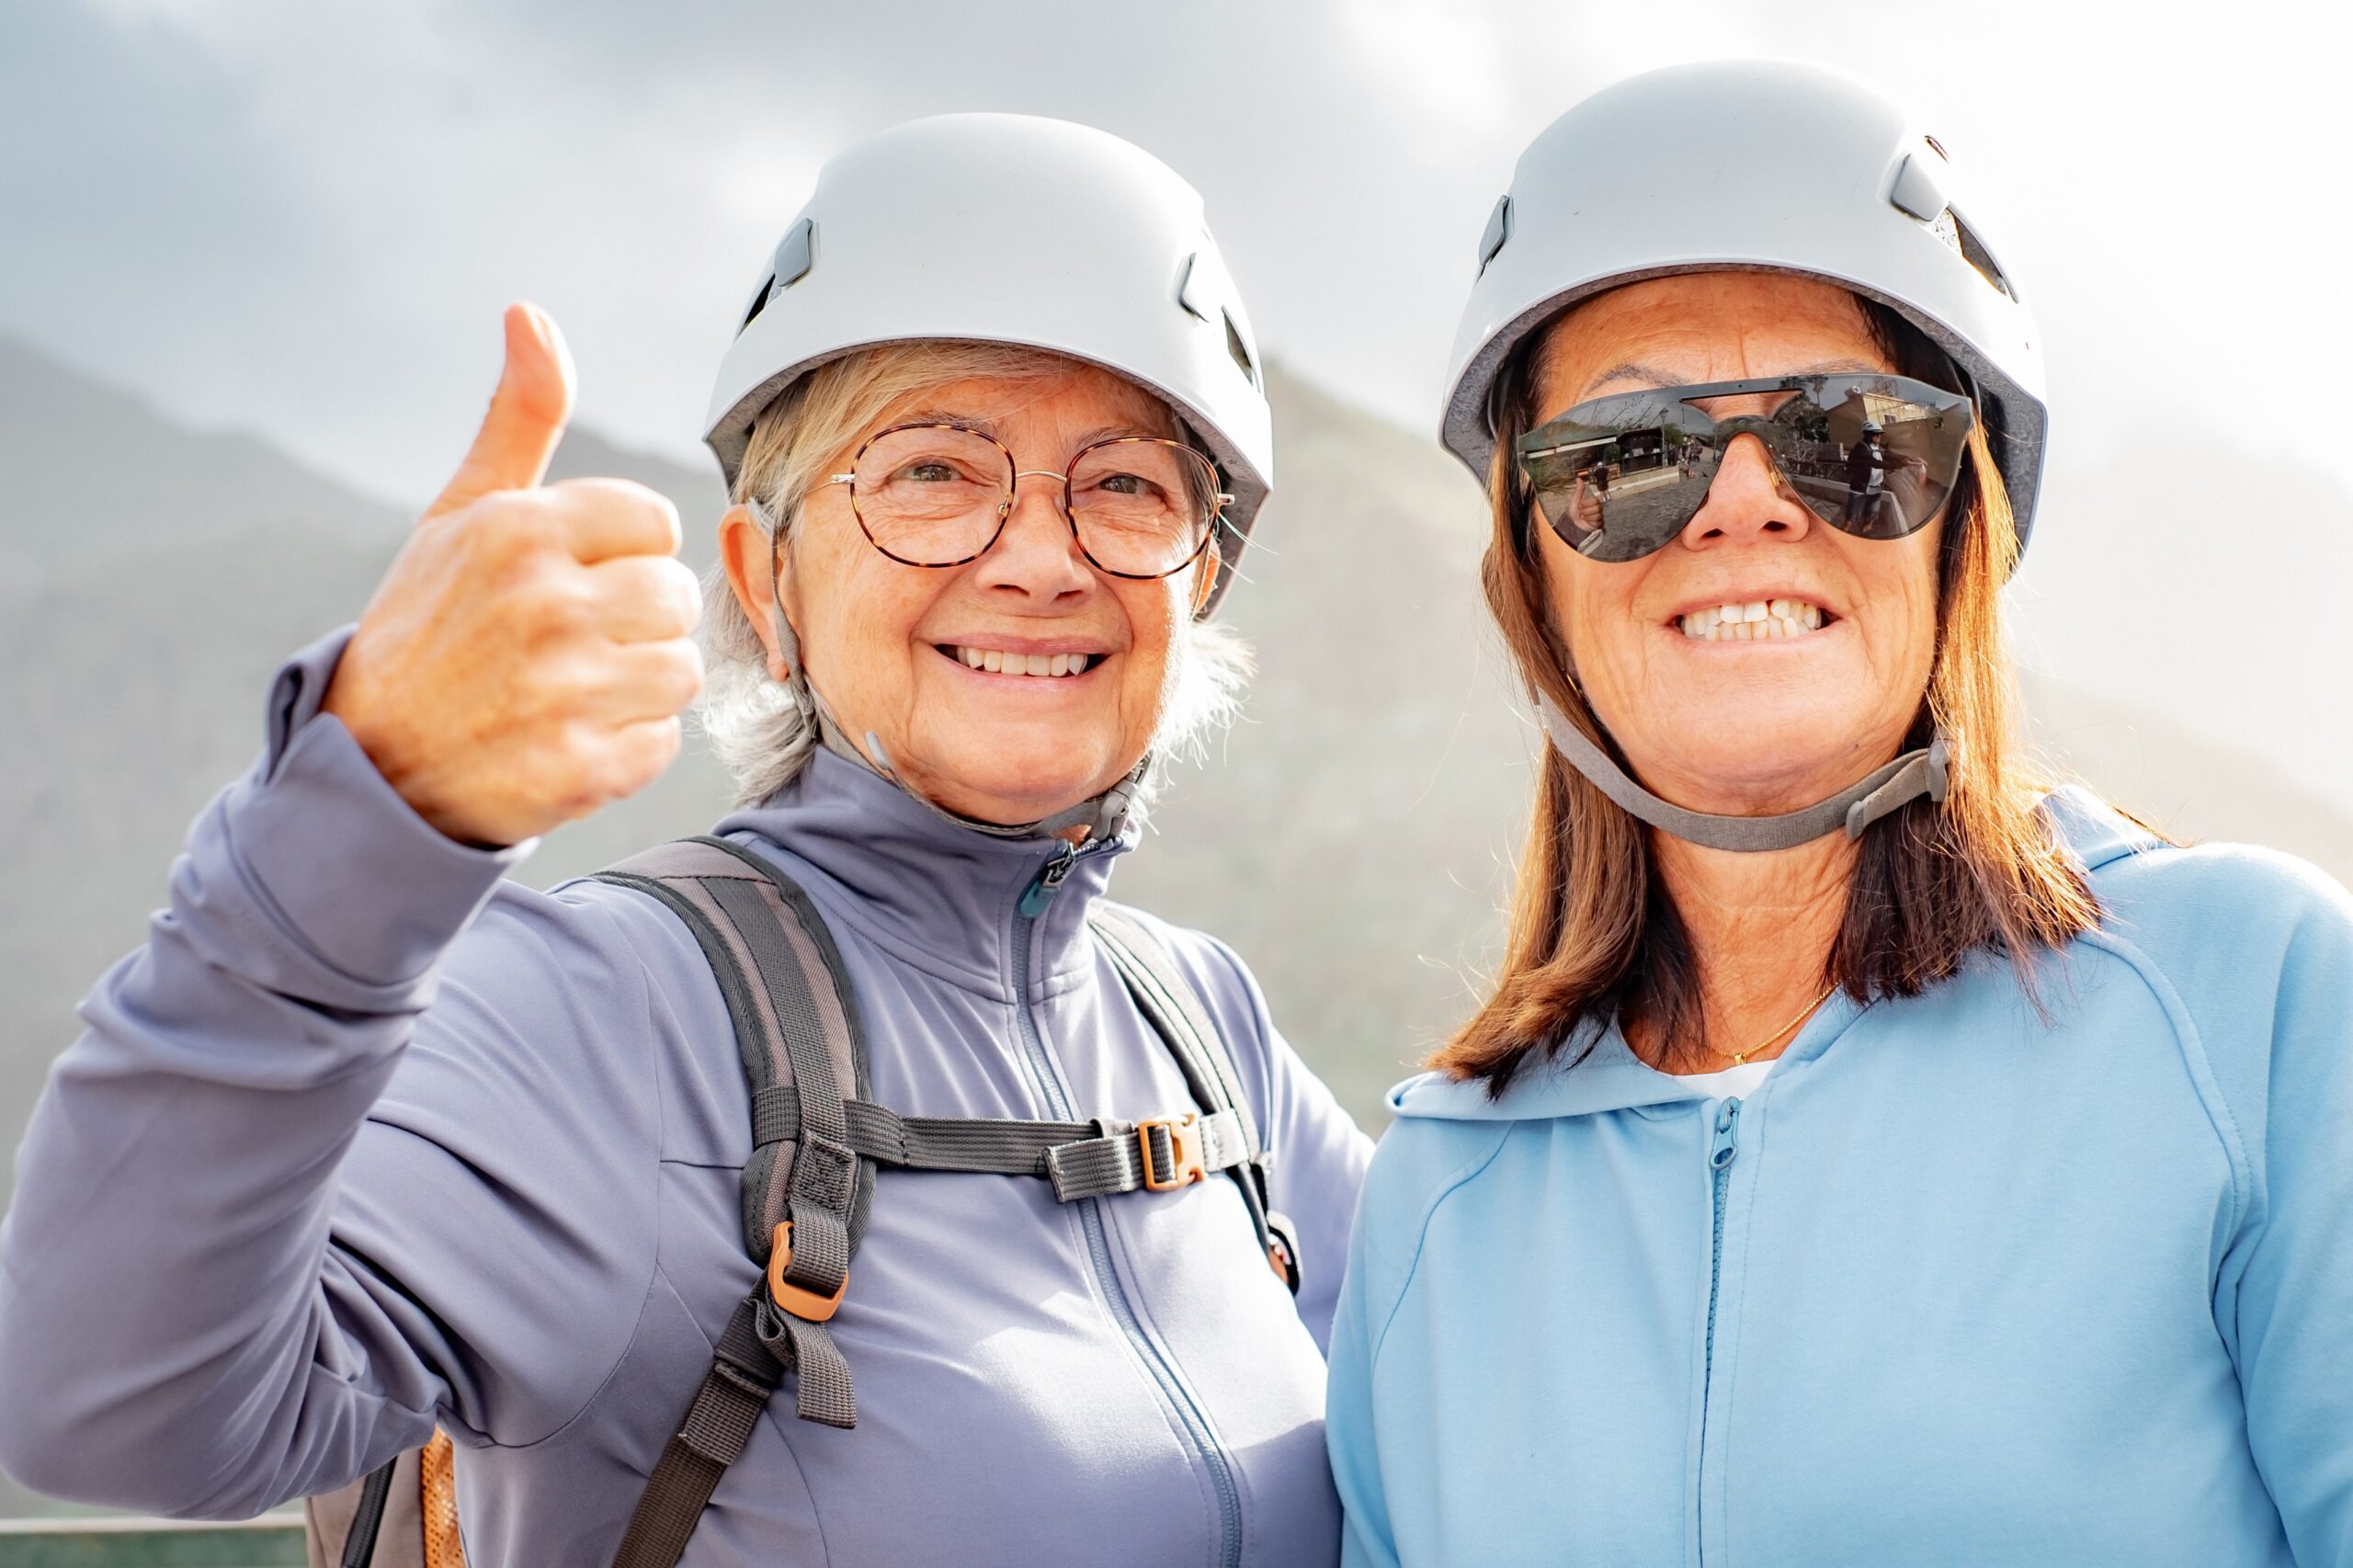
[{"x": 1740, "y": 1059}]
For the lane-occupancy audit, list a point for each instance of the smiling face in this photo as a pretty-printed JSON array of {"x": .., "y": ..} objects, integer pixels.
[
  {"x": 1763, "y": 659},
  {"x": 1011, "y": 686}
]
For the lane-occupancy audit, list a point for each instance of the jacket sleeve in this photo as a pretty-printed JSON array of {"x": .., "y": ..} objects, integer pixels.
[
  {"x": 2285, "y": 1298},
  {"x": 312, "y": 1177},
  {"x": 1320, "y": 1153}
]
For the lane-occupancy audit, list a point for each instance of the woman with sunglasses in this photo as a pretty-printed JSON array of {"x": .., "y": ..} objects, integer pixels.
[
  {"x": 1868, "y": 1155},
  {"x": 366, "y": 1141}
]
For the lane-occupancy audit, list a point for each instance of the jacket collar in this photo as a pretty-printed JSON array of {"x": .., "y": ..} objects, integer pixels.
[
  {"x": 1611, "y": 1077},
  {"x": 939, "y": 896}
]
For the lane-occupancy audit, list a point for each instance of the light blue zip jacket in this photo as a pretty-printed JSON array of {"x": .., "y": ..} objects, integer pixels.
[
  {"x": 1952, "y": 1286},
  {"x": 364, "y": 1139}
]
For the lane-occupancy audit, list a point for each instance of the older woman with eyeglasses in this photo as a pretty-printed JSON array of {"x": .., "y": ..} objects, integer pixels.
[
  {"x": 1013, "y": 1199},
  {"x": 1868, "y": 1156}
]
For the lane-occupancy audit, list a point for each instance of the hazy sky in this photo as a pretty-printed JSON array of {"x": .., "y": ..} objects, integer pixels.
[{"x": 302, "y": 219}]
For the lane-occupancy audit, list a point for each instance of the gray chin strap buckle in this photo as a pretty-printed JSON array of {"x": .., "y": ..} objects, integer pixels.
[
  {"x": 1854, "y": 807},
  {"x": 1913, "y": 773}
]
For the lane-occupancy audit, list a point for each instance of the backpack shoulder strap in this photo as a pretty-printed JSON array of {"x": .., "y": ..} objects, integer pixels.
[
  {"x": 806, "y": 1191},
  {"x": 1158, "y": 984},
  {"x": 817, "y": 1136}
]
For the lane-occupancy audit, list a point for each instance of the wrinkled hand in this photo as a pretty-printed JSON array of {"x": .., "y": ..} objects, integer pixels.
[{"x": 525, "y": 660}]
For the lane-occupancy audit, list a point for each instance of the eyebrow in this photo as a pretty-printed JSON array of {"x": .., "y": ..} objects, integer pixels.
[
  {"x": 1648, "y": 375},
  {"x": 989, "y": 428}
]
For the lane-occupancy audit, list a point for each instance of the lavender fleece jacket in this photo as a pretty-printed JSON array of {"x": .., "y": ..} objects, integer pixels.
[{"x": 365, "y": 1139}]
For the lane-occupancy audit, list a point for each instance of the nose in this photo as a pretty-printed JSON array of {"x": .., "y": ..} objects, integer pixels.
[
  {"x": 1749, "y": 501},
  {"x": 1037, "y": 555}
]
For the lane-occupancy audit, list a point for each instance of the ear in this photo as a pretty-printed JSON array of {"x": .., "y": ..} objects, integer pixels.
[
  {"x": 1205, "y": 576},
  {"x": 759, "y": 570}
]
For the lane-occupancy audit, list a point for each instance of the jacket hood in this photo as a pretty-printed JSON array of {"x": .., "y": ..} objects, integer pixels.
[{"x": 1601, "y": 1072}]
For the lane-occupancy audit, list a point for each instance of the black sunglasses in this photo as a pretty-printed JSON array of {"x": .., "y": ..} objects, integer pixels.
[{"x": 1875, "y": 456}]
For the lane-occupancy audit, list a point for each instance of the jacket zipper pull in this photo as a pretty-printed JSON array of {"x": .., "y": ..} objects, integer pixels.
[
  {"x": 1727, "y": 1145},
  {"x": 1046, "y": 884}
]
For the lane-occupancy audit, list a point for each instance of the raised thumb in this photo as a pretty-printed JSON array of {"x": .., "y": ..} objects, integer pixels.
[{"x": 527, "y": 413}]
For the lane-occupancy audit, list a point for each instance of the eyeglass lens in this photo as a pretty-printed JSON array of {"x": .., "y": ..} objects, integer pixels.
[{"x": 937, "y": 495}]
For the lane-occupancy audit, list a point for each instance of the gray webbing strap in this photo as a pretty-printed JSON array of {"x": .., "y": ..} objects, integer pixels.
[
  {"x": 798, "y": 1034},
  {"x": 940, "y": 1143},
  {"x": 717, "y": 1425},
  {"x": 1083, "y": 1159},
  {"x": 1854, "y": 807},
  {"x": 1168, "y": 1000},
  {"x": 1175, "y": 1012},
  {"x": 1114, "y": 1163},
  {"x": 817, "y": 1200},
  {"x": 822, "y": 1389}
]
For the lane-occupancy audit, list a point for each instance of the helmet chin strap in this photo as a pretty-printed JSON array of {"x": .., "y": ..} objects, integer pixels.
[
  {"x": 1101, "y": 816},
  {"x": 1854, "y": 807}
]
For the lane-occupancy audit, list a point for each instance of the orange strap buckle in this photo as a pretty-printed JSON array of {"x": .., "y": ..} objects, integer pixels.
[
  {"x": 799, "y": 1300},
  {"x": 1185, "y": 1152}
]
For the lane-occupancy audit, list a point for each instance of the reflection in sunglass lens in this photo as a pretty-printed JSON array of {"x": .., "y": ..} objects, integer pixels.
[
  {"x": 931, "y": 496},
  {"x": 1896, "y": 460},
  {"x": 1617, "y": 496},
  {"x": 1876, "y": 456}
]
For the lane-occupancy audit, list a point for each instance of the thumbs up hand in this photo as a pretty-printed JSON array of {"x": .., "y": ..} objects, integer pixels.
[{"x": 525, "y": 660}]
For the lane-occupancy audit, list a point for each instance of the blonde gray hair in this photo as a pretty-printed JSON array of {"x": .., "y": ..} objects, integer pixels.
[{"x": 753, "y": 726}]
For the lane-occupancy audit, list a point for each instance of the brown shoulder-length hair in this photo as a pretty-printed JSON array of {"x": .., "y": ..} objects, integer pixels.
[{"x": 1593, "y": 932}]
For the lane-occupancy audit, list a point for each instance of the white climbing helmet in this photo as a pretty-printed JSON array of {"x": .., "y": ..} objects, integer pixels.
[
  {"x": 1749, "y": 164},
  {"x": 1005, "y": 228}
]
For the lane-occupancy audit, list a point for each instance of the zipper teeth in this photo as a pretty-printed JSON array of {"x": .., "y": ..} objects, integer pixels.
[
  {"x": 1723, "y": 1172},
  {"x": 1715, "y": 1282},
  {"x": 1098, "y": 1248}
]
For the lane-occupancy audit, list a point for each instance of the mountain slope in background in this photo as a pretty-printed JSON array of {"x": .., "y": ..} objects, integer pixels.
[
  {"x": 2150, "y": 569},
  {"x": 91, "y": 475},
  {"x": 1351, "y": 836}
]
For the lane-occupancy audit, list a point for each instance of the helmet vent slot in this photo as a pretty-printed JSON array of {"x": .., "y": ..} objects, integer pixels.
[
  {"x": 1237, "y": 348},
  {"x": 1954, "y": 231},
  {"x": 759, "y": 301},
  {"x": 1497, "y": 233}
]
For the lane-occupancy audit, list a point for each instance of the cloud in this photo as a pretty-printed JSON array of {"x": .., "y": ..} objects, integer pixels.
[{"x": 304, "y": 219}]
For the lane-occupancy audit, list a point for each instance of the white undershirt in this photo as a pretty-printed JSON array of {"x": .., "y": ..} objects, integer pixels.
[{"x": 1732, "y": 1083}]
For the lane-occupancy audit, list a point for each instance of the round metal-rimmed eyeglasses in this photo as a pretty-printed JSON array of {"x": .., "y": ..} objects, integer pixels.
[{"x": 936, "y": 495}]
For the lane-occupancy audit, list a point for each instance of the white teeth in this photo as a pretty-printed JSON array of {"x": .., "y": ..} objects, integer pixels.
[
  {"x": 1757, "y": 621},
  {"x": 997, "y": 662}
]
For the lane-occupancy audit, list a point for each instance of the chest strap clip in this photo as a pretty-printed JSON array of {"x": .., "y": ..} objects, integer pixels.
[{"x": 1171, "y": 1144}]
